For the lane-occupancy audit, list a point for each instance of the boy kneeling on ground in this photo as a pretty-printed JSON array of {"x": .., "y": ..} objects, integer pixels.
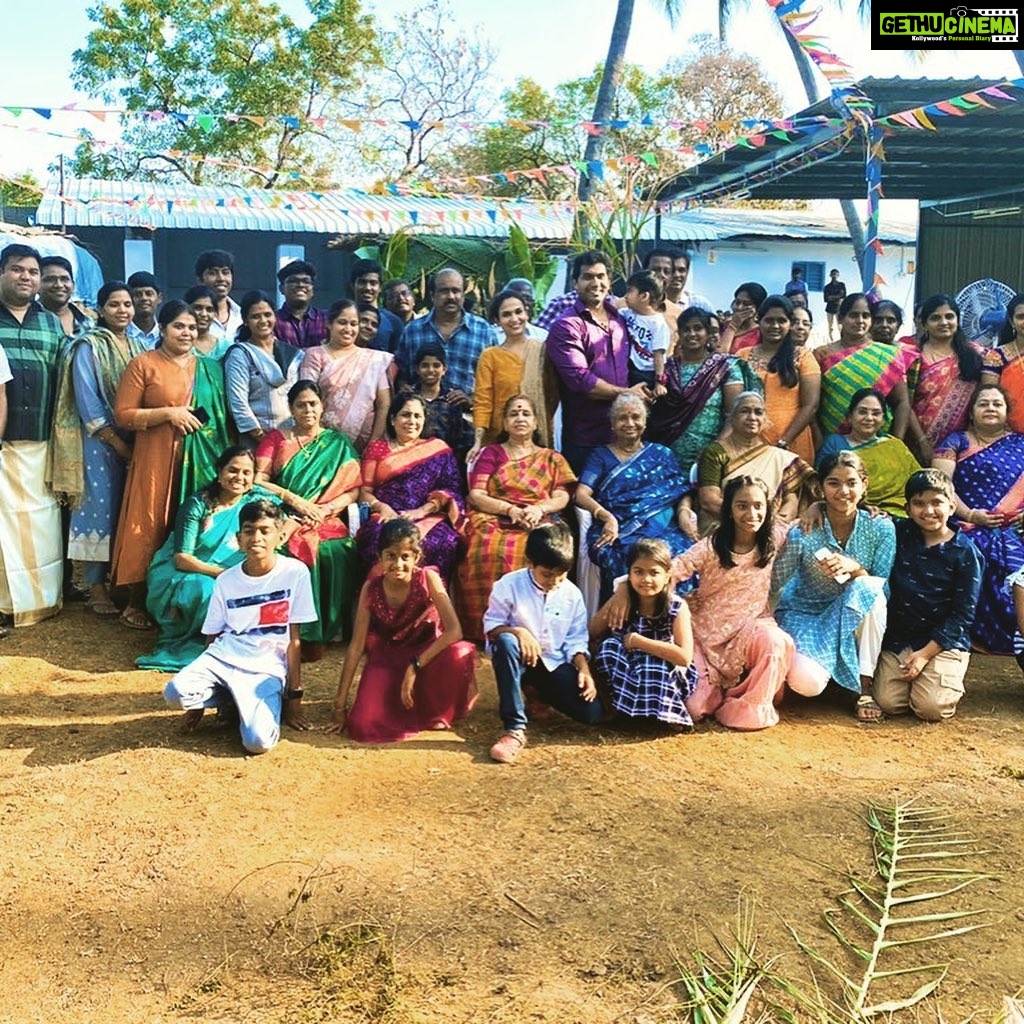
[
  {"x": 934, "y": 588},
  {"x": 536, "y": 627},
  {"x": 254, "y": 659}
]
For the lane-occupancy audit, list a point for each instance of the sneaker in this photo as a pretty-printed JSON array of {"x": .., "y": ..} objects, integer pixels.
[{"x": 506, "y": 750}]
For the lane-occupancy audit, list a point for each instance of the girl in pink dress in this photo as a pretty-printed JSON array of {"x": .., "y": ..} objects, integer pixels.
[
  {"x": 419, "y": 673},
  {"x": 741, "y": 655}
]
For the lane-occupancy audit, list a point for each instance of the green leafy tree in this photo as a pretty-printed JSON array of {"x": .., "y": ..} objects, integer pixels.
[
  {"x": 179, "y": 70},
  {"x": 23, "y": 190}
]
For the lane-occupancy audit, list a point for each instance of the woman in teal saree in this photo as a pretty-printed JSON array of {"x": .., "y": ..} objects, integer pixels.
[{"x": 203, "y": 545}]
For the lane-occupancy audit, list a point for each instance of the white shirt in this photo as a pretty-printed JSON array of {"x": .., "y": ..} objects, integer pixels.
[
  {"x": 532, "y": 331},
  {"x": 234, "y": 321},
  {"x": 556, "y": 618},
  {"x": 5, "y": 367},
  {"x": 648, "y": 333},
  {"x": 251, "y": 615}
]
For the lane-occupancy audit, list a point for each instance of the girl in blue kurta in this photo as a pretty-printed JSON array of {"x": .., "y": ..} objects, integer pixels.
[{"x": 831, "y": 588}]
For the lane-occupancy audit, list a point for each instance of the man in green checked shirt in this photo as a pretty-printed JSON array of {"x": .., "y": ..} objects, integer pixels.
[{"x": 31, "y": 557}]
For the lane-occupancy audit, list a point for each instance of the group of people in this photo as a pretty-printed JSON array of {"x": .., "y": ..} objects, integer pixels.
[{"x": 713, "y": 476}]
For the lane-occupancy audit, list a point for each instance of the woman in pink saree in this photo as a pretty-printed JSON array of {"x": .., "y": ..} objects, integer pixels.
[{"x": 355, "y": 382}]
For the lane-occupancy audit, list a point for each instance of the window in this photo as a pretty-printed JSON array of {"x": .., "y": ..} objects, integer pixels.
[{"x": 814, "y": 274}]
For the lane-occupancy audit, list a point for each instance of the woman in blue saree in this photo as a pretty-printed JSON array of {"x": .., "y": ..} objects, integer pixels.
[
  {"x": 986, "y": 462},
  {"x": 180, "y": 578},
  {"x": 632, "y": 489}
]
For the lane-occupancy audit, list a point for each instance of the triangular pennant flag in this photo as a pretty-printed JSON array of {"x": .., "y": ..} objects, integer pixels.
[
  {"x": 879, "y": 279},
  {"x": 997, "y": 93},
  {"x": 291, "y": 122},
  {"x": 16, "y": 111},
  {"x": 948, "y": 108},
  {"x": 44, "y": 112},
  {"x": 976, "y": 98},
  {"x": 922, "y": 119}
]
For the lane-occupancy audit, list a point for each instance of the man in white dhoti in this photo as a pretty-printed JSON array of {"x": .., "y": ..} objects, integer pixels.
[{"x": 30, "y": 536}]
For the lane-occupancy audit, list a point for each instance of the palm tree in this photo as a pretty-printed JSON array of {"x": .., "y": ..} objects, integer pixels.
[{"x": 610, "y": 80}]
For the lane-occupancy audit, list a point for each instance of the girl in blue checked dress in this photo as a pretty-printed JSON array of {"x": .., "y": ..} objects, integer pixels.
[{"x": 648, "y": 663}]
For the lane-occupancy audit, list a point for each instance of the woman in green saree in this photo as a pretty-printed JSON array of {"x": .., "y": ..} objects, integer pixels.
[
  {"x": 180, "y": 578},
  {"x": 202, "y": 448},
  {"x": 315, "y": 472},
  {"x": 888, "y": 462}
]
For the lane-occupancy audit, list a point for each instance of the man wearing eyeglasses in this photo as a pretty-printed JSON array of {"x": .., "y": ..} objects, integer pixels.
[{"x": 298, "y": 323}]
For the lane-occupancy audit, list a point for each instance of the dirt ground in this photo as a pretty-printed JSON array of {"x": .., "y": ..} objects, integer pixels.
[{"x": 149, "y": 876}]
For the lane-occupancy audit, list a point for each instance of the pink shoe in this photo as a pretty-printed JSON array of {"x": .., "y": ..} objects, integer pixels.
[{"x": 506, "y": 750}]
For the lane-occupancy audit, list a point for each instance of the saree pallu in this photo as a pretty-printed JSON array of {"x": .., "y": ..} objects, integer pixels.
[
  {"x": 406, "y": 479},
  {"x": 322, "y": 471},
  {"x": 844, "y": 372},
  {"x": 888, "y": 463},
  {"x": 203, "y": 447},
  {"x": 940, "y": 399},
  {"x": 495, "y": 545},
  {"x": 992, "y": 478},
  {"x": 642, "y": 493},
  {"x": 31, "y": 554},
  {"x": 783, "y": 472},
  {"x": 688, "y": 413},
  {"x": 178, "y": 601},
  {"x": 66, "y": 470}
]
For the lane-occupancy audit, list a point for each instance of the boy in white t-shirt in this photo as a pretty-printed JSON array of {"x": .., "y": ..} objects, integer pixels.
[
  {"x": 649, "y": 334},
  {"x": 253, "y": 618}
]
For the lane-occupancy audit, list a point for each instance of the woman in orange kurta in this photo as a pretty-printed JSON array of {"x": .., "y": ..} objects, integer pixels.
[
  {"x": 516, "y": 366},
  {"x": 790, "y": 376},
  {"x": 153, "y": 400}
]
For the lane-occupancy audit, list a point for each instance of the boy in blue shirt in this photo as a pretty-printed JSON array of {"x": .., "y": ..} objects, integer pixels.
[
  {"x": 934, "y": 588},
  {"x": 536, "y": 626}
]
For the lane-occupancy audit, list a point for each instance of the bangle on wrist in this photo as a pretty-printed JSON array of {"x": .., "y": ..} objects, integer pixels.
[{"x": 415, "y": 663}]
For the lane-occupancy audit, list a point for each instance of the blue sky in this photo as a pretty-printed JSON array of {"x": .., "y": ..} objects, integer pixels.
[{"x": 530, "y": 39}]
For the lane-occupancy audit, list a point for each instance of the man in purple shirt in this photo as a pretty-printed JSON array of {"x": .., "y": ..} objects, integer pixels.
[
  {"x": 298, "y": 323},
  {"x": 589, "y": 349}
]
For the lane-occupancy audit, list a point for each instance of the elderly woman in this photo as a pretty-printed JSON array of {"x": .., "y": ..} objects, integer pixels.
[
  {"x": 745, "y": 453},
  {"x": 90, "y": 454},
  {"x": 203, "y": 545},
  {"x": 701, "y": 386},
  {"x": 986, "y": 462},
  {"x": 633, "y": 490},
  {"x": 406, "y": 474},
  {"x": 514, "y": 485},
  {"x": 314, "y": 471}
]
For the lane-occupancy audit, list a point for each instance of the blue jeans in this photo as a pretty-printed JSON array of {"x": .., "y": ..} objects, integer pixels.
[{"x": 558, "y": 687}]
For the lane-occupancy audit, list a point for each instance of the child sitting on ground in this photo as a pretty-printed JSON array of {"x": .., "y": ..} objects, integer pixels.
[
  {"x": 649, "y": 334},
  {"x": 933, "y": 593},
  {"x": 419, "y": 673},
  {"x": 647, "y": 663},
  {"x": 536, "y": 626},
  {"x": 254, "y": 617}
]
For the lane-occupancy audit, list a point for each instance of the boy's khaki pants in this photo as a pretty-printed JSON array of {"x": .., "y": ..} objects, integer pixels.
[{"x": 932, "y": 696}]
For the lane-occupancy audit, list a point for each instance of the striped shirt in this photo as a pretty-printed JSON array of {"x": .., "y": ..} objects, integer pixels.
[
  {"x": 462, "y": 349},
  {"x": 32, "y": 347}
]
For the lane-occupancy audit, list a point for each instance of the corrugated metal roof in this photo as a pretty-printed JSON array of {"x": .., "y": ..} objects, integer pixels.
[
  {"x": 93, "y": 202},
  {"x": 976, "y": 154}
]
